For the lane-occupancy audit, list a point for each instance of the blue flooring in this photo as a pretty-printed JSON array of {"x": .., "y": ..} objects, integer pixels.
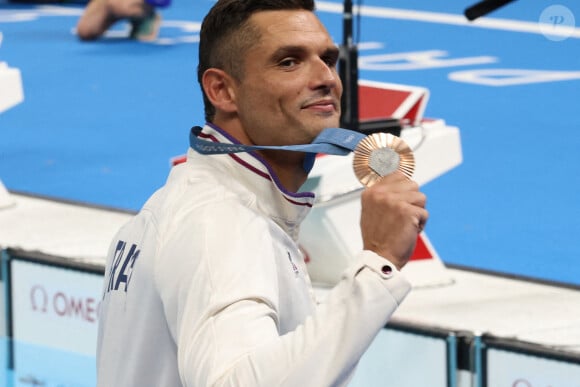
[{"x": 101, "y": 121}]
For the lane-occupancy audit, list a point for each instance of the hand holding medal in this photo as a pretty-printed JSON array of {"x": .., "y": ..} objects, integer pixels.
[{"x": 393, "y": 210}]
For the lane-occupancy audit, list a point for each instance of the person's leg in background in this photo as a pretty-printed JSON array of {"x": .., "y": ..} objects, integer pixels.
[{"x": 100, "y": 15}]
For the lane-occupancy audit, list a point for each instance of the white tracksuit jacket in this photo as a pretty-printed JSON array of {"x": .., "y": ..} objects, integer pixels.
[{"x": 207, "y": 286}]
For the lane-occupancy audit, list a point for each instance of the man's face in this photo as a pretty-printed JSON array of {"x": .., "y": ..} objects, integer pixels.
[{"x": 290, "y": 90}]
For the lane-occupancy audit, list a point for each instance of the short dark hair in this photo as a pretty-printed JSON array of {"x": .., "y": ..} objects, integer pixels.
[{"x": 226, "y": 34}]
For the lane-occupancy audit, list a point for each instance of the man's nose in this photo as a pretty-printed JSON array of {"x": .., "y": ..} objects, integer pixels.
[{"x": 324, "y": 75}]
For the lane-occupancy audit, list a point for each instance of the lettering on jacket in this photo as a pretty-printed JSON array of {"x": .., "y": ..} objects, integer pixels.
[{"x": 122, "y": 266}]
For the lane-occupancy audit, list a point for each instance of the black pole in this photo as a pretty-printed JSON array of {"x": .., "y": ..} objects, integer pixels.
[
  {"x": 348, "y": 72},
  {"x": 483, "y": 8}
]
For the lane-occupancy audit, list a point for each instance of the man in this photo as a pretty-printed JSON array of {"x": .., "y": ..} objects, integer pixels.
[{"x": 207, "y": 286}]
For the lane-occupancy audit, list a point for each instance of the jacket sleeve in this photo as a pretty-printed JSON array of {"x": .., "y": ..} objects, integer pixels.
[{"x": 218, "y": 284}]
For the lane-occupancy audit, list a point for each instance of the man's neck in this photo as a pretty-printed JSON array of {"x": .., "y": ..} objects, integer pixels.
[{"x": 288, "y": 167}]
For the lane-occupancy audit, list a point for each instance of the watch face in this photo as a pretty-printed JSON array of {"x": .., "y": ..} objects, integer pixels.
[{"x": 380, "y": 154}]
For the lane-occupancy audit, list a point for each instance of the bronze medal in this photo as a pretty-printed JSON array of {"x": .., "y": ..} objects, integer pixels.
[{"x": 380, "y": 154}]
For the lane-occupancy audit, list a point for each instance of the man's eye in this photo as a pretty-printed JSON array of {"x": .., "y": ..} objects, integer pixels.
[
  {"x": 330, "y": 60},
  {"x": 288, "y": 62}
]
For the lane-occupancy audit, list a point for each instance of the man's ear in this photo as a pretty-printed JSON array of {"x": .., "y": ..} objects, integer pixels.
[{"x": 219, "y": 89}]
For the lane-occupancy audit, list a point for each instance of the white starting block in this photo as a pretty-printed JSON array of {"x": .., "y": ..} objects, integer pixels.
[
  {"x": 11, "y": 92},
  {"x": 330, "y": 235}
]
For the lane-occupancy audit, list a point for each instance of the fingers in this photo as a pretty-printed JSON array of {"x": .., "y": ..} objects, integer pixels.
[
  {"x": 393, "y": 213},
  {"x": 421, "y": 219},
  {"x": 398, "y": 179},
  {"x": 398, "y": 183}
]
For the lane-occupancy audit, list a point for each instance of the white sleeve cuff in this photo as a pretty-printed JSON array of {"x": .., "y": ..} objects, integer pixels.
[{"x": 394, "y": 281}]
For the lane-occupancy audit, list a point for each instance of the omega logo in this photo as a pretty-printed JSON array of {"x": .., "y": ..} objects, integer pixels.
[{"x": 63, "y": 304}]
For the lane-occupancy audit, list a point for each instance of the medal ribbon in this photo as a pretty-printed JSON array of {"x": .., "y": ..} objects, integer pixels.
[{"x": 333, "y": 141}]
